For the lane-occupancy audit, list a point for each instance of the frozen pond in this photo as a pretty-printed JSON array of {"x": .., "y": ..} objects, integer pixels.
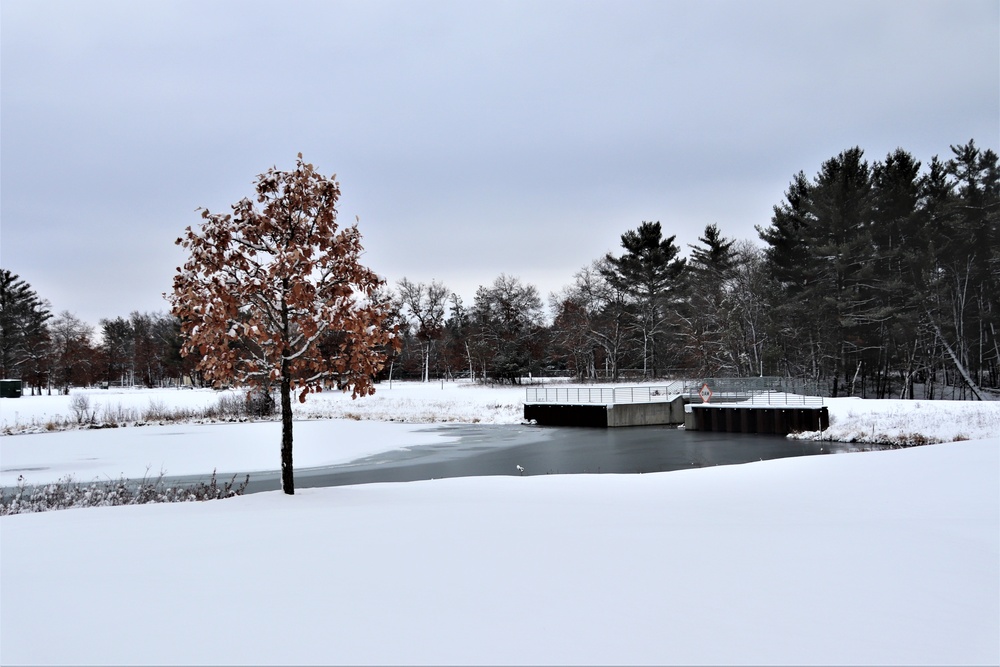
[{"x": 482, "y": 450}]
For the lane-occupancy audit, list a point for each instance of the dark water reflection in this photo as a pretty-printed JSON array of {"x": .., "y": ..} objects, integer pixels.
[{"x": 498, "y": 449}]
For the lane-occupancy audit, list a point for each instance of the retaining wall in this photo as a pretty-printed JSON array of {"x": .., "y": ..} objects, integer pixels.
[
  {"x": 616, "y": 415},
  {"x": 767, "y": 420}
]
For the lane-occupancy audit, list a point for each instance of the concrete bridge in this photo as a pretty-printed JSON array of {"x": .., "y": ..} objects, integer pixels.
[{"x": 735, "y": 406}]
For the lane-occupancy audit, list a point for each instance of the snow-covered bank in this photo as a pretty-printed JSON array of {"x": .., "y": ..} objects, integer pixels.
[
  {"x": 196, "y": 449},
  {"x": 907, "y": 422},
  {"x": 873, "y": 558}
]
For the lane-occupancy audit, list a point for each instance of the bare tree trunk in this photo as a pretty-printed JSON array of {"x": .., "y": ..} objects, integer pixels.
[
  {"x": 854, "y": 381},
  {"x": 907, "y": 390},
  {"x": 468, "y": 353},
  {"x": 287, "y": 476},
  {"x": 973, "y": 387},
  {"x": 287, "y": 473},
  {"x": 996, "y": 349}
]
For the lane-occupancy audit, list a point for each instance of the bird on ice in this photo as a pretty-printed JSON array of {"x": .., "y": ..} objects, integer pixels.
[{"x": 520, "y": 470}]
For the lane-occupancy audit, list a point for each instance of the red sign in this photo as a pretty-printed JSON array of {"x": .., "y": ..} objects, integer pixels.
[{"x": 705, "y": 393}]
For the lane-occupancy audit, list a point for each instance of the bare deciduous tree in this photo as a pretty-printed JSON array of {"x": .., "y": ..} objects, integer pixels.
[
  {"x": 71, "y": 352},
  {"x": 426, "y": 304}
]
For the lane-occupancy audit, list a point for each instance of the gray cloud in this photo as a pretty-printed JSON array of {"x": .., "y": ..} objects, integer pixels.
[{"x": 470, "y": 138}]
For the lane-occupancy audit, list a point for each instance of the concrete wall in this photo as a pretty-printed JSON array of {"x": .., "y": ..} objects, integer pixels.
[
  {"x": 646, "y": 414},
  {"x": 620, "y": 414}
]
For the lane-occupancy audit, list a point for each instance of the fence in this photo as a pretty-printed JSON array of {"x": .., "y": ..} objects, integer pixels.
[
  {"x": 767, "y": 397},
  {"x": 606, "y": 395},
  {"x": 757, "y": 391}
]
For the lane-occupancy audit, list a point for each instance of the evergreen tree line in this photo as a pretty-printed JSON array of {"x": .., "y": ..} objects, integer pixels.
[
  {"x": 877, "y": 280},
  {"x": 886, "y": 276}
]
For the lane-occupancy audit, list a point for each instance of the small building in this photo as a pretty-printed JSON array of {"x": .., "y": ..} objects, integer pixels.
[{"x": 10, "y": 389}]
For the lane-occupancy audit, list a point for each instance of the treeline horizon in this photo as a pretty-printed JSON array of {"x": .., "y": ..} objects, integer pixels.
[{"x": 871, "y": 279}]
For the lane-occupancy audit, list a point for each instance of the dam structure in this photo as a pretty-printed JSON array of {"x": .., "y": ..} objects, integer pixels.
[{"x": 733, "y": 405}]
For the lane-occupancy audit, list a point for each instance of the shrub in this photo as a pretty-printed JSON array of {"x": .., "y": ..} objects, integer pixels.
[
  {"x": 231, "y": 407},
  {"x": 118, "y": 414},
  {"x": 255, "y": 403},
  {"x": 913, "y": 440},
  {"x": 67, "y": 493},
  {"x": 157, "y": 411},
  {"x": 259, "y": 403},
  {"x": 80, "y": 405}
]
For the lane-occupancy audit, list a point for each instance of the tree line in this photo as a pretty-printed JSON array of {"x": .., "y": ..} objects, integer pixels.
[
  {"x": 874, "y": 279},
  {"x": 55, "y": 352},
  {"x": 886, "y": 276}
]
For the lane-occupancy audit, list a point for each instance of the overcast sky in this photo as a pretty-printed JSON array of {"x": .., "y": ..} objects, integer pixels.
[{"x": 471, "y": 138}]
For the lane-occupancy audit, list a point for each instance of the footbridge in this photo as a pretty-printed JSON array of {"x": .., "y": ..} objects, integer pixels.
[{"x": 735, "y": 405}]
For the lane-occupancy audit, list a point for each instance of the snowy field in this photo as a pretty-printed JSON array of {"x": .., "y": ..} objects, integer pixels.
[
  {"x": 413, "y": 402},
  {"x": 883, "y": 557}
]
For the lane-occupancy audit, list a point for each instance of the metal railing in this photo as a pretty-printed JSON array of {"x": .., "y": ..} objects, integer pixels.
[
  {"x": 606, "y": 395},
  {"x": 755, "y": 391},
  {"x": 756, "y": 398},
  {"x": 748, "y": 391}
]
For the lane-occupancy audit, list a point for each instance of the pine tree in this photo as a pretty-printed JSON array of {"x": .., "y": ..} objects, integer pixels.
[
  {"x": 895, "y": 231},
  {"x": 705, "y": 320},
  {"x": 649, "y": 271},
  {"x": 119, "y": 342},
  {"x": 820, "y": 241},
  {"x": 791, "y": 270},
  {"x": 960, "y": 282},
  {"x": 24, "y": 334}
]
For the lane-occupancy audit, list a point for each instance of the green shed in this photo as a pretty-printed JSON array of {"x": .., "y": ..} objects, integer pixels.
[{"x": 10, "y": 389}]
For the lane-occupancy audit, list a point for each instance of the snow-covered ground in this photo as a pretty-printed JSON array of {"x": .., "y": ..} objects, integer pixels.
[
  {"x": 886, "y": 557},
  {"x": 873, "y": 558},
  {"x": 907, "y": 422},
  {"x": 414, "y": 402}
]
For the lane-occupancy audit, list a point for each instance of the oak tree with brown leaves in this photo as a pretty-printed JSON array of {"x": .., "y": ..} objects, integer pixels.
[{"x": 275, "y": 294}]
